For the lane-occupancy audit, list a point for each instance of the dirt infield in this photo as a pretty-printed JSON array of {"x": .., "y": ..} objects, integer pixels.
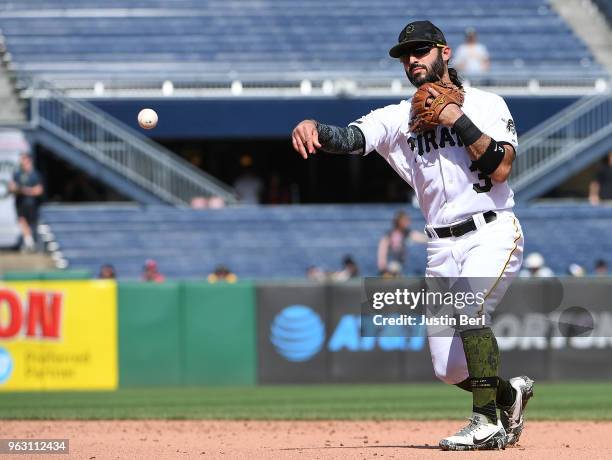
[{"x": 158, "y": 439}]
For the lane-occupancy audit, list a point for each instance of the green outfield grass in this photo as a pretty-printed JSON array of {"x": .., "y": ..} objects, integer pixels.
[{"x": 552, "y": 401}]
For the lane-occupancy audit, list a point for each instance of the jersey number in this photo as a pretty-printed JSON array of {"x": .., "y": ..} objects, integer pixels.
[{"x": 478, "y": 187}]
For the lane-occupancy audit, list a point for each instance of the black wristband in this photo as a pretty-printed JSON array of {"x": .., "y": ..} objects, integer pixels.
[
  {"x": 490, "y": 160},
  {"x": 467, "y": 130}
]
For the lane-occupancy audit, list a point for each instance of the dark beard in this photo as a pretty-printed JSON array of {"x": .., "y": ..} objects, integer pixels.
[{"x": 431, "y": 76}]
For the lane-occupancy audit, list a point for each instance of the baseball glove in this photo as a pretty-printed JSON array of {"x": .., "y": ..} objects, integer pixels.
[{"x": 423, "y": 116}]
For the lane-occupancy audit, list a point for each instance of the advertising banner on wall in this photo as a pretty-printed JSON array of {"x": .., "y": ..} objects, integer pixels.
[
  {"x": 554, "y": 329},
  {"x": 58, "y": 335},
  {"x": 292, "y": 333},
  {"x": 375, "y": 358},
  {"x": 311, "y": 333}
]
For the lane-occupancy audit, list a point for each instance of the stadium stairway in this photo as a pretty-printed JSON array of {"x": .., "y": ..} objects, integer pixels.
[
  {"x": 562, "y": 146},
  {"x": 274, "y": 242},
  {"x": 11, "y": 109},
  {"x": 114, "y": 153}
]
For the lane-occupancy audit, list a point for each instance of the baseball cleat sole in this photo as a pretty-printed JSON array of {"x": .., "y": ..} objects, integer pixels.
[
  {"x": 497, "y": 442},
  {"x": 526, "y": 390}
]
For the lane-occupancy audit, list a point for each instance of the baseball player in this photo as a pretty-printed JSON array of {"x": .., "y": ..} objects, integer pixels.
[{"x": 455, "y": 147}]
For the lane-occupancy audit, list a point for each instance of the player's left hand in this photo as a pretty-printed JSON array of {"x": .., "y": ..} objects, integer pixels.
[
  {"x": 435, "y": 104},
  {"x": 449, "y": 115}
]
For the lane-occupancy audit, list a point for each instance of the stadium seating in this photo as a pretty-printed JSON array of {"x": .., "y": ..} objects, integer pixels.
[
  {"x": 171, "y": 37},
  {"x": 282, "y": 241}
]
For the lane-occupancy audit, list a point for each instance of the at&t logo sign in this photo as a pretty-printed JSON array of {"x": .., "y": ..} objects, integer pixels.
[{"x": 297, "y": 332}]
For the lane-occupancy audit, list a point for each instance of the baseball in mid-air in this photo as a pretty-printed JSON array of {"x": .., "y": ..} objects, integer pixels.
[{"x": 147, "y": 118}]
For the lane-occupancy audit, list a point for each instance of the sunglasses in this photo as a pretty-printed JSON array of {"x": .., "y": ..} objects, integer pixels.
[{"x": 421, "y": 50}]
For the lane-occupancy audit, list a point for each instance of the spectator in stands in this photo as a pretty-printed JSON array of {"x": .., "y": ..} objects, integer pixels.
[
  {"x": 394, "y": 270},
  {"x": 216, "y": 202},
  {"x": 150, "y": 272},
  {"x": 202, "y": 202},
  {"x": 392, "y": 246},
  {"x": 314, "y": 273},
  {"x": 222, "y": 274},
  {"x": 277, "y": 192},
  {"x": 349, "y": 270},
  {"x": 28, "y": 190},
  {"x": 199, "y": 202},
  {"x": 107, "y": 272},
  {"x": 601, "y": 267},
  {"x": 248, "y": 185},
  {"x": 600, "y": 187},
  {"x": 576, "y": 270},
  {"x": 534, "y": 267},
  {"x": 472, "y": 57}
]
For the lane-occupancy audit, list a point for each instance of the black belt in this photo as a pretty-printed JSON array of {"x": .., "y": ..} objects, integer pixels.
[{"x": 464, "y": 227}]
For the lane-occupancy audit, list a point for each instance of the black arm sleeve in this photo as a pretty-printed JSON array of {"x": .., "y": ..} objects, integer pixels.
[{"x": 341, "y": 140}]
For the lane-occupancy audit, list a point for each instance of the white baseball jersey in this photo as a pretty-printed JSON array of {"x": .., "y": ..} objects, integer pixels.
[{"x": 436, "y": 164}]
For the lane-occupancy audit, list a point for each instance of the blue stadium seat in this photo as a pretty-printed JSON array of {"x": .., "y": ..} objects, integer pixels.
[
  {"x": 281, "y": 242},
  {"x": 269, "y": 35}
]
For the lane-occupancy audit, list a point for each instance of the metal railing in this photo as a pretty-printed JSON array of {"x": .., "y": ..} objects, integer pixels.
[
  {"x": 167, "y": 82},
  {"x": 122, "y": 149},
  {"x": 546, "y": 146}
]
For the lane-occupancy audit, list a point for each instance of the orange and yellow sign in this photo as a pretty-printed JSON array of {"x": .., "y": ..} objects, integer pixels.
[{"x": 58, "y": 335}]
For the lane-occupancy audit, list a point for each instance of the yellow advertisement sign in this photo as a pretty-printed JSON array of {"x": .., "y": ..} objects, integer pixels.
[{"x": 58, "y": 335}]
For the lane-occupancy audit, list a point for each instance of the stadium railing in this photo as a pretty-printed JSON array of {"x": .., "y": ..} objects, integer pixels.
[
  {"x": 580, "y": 133},
  {"x": 120, "y": 148},
  {"x": 166, "y": 83}
]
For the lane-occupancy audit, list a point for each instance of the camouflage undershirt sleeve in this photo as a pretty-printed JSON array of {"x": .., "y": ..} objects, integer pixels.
[{"x": 335, "y": 139}]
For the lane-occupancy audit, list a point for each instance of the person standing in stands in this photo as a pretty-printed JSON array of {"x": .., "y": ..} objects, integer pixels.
[
  {"x": 392, "y": 246},
  {"x": 472, "y": 57},
  {"x": 248, "y": 186},
  {"x": 28, "y": 190}
]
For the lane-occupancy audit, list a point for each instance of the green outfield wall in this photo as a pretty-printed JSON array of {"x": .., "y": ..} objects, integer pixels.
[
  {"x": 290, "y": 332},
  {"x": 194, "y": 333},
  {"x": 186, "y": 334}
]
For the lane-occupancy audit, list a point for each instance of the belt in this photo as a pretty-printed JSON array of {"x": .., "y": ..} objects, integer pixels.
[{"x": 464, "y": 227}]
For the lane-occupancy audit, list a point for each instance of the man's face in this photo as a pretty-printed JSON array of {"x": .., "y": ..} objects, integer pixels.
[
  {"x": 423, "y": 64},
  {"x": 26, "y": 163}
]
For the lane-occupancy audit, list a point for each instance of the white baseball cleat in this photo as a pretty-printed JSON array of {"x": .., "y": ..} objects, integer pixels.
[
  {"x": 480, "y": 434},
  {"x": 512, "y": 417}
]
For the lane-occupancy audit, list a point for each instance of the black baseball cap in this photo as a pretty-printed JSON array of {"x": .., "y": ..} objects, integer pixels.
[{"x": 417, "y": 32}]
